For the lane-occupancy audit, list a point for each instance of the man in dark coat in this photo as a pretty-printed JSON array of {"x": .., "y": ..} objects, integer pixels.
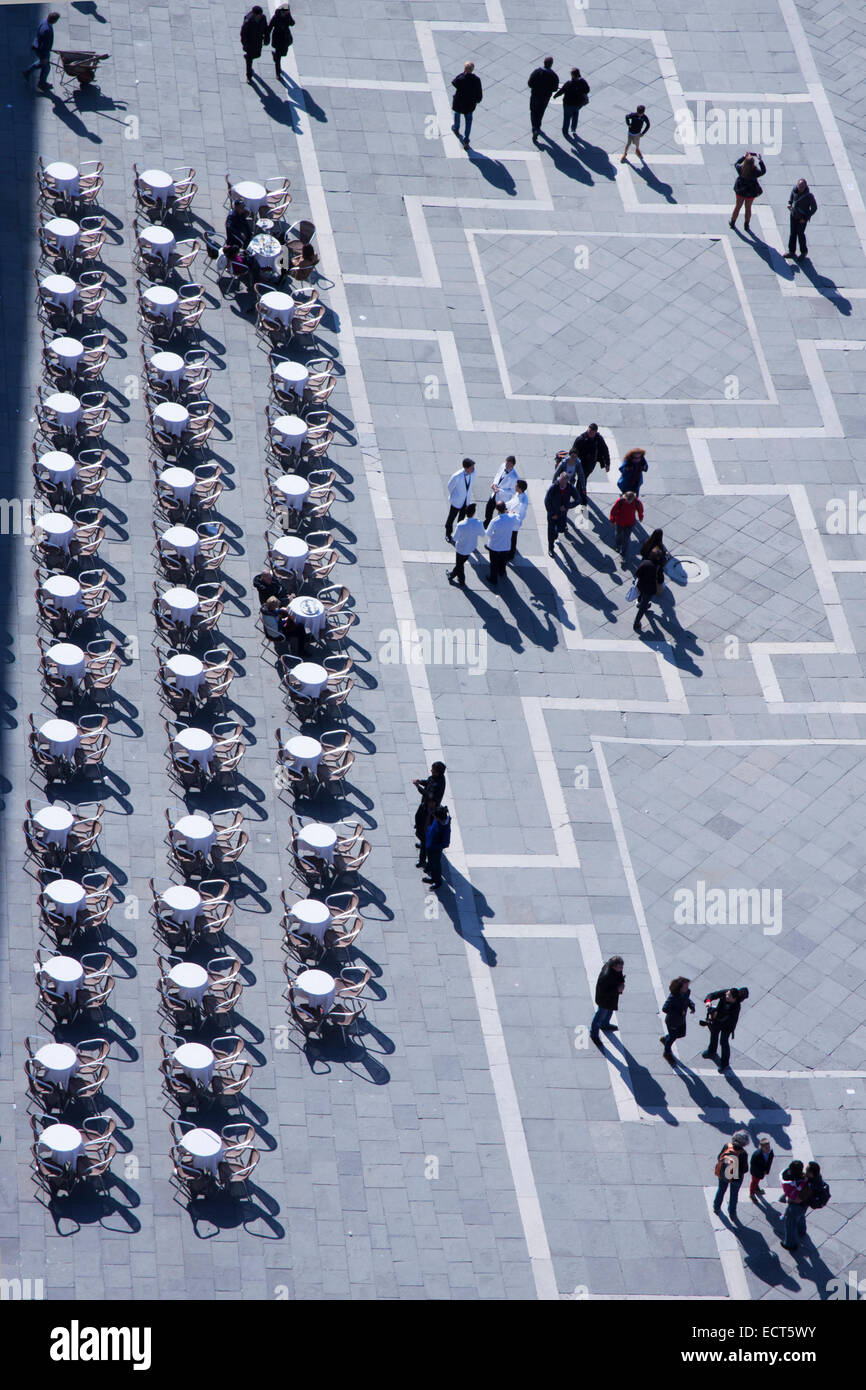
[
  {"x": 575, "y": 94},
  {"x": 280, "y": 35},
  {"x": 592, "y": 450},
  {"x": 723, "y": 1022},
  {"x": 558, "y": 500},
  {"x": 42, "y": 46},
  {"x": 431, "y": 790},
  {"x": 802, "y": 206},
  {"x": 759, "y": 1166},
  {"x": 467, "y": 95},
  {"x": 542, "y": 83},
  {"x": 647, "y": 581},
  {"x": 608, "y": 988},
  {"x": 254, "y": 33}
]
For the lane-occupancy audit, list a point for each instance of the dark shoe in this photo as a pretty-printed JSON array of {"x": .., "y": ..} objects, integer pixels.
[
  {"x": 426, "y": 879},
  {"x": 732, "y": 223},
  {"x": 787, "y": 1247},
  {"x": 466, "y": 143},
  {"x": 669, "y": 1057},
  {"x": 662, "y": 1040},
  {"x": 419, "y": 864},
  {"x": 753, "y": 1199},
  {"x": 746, "y": 226},
  {"x": 760, "y": 1191},
  {"x": 451, "y": 576},
  {"x": 637, "y": 627},
  {"x": 609, "y": 1028},
  {"x": 706, "y": 1054},
  {"x": 717, "y": 1210},
  {"x": 550, "y": 552},
  {"x": 800, "y": 258},
  {"x": 596, "y": 1039},
  {"x": 721, "y": 1068},
  {"x": 623, "y": 564}
]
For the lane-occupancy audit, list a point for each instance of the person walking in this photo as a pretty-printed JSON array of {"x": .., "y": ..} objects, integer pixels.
[
  {"x": 647, "y": 582},
  {"x": 592, "y": 450},
  {"x": 655, "y": 542},
  {"x": 558, "y": 499},
  {"x": 459, "y": 494},
  {"x": 797, "y": 1193},
  {"x": 631, "y": 472},
  {"x": 571, "y": 466},
  {"x": 575, "y": 95},
  {"x": 542, "y": 84},
  {"x": 750, "y": 167},
  {"x": 517, "y": 508},
  {"x": 722, "y": 1023},
  {"x": 730, "y": 1170},
  {"x": 499, "y": 534},
  {"x": 438, "y": 839},
  {"x": 43, "y": 43},
  {"x": 431, "y": 789},
  {"x": 254, "y": 34},
  {"x": 637, "y": 124},
  {"x": 467, "y": 95},
  {"x": 503, "y": 487},
  {"x": 467, "y": 537},
  {"x": 625, "y": 511},
  {"x": 802, "y": 207},
  {"x": 759, "y": 1166},
  {"x": 676, "y": 1008},
  {"x": 608, "y": 990},
  {"x": 280, "y": 35}
]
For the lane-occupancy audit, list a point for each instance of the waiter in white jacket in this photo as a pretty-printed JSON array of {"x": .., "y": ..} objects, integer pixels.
[
  {"x": 459, "y": 494},
  {"x": 517, "y": 508},
  {"x": 498, "y": 535},
  {"x": 502, "y": 488}
]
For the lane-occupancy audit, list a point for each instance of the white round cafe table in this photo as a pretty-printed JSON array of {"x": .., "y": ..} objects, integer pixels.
[
  {"x": 168, "y": 366},
  {"x": 55, "y": 822},
  {"x": 64, "y": 1143},
  {"x": 293, "y": 552},
  {"x": 68, "y": 350},
  {"x": 181, "y": 604},
  {"x": 188, "y": 671},
  {"x": 65, "y": 176},
  {"x": 198, "y": 831},
  {"x": 317, "y": 986},
  {"x": 191, "y": 981},
  {"x": 292, "y": 374},
  {"x": 65, "y": 592},
  {"x": 61, "y": 288},
  {"x": 204, "y": 1149},
  {"x": 310, "y": 678},
  {"x": 291, "y": 428},
  {"x": 183, "y": 540},
  {"x": 162, "y": 299},
  {"x": 159, "y": 182},
  {"x": 295, "y": 489},
  {"x": 66, "y": 407},
  {"x": 312, "y": 916},
  {"x": 65, "y": 232},
  {"x": 65, "y": 973},
  {"x": 60, "y": 466},
  {"x": 59, "y": 1061},
  {"x": 282, "y": 306},
  {"x": 251, "y": 193},
  {"x": 265, "y": 250},
  {"x": 304, "y": 752},
  {"x": 61, "y": 736},
  {"x": 159, "y": 239},
  {"x": 58, "y": 526},
  {"x": 183, "y": 903},
  {"x": 318, "y": 839},
  {"x": 67, "y": 896},
  {"x": 173, "y": 416},
  {"x": 309, "y": 611},
  {"x": 197, "y": 744},
  {"x": 181, "y": 481},
  {"x": 69, "y": 660}
]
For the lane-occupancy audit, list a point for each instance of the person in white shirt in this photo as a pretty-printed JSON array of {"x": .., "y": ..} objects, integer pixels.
[
  {"x": 459, "y": 494},
  {"x": 502, "y": 488},
  {"x": 498, "y": 535},
  {"x": 517, "y": 508},
  {"x": 466, "y": 538}
]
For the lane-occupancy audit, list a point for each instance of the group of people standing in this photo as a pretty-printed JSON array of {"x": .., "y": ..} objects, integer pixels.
[
  {"x": 802, "y": 204},
  {"x": 432, "y": 824},
  {"x": 803, "y": 1186}
]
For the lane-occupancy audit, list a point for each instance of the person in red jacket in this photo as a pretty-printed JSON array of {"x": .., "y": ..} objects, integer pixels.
[{"x": 625, "y": 511}]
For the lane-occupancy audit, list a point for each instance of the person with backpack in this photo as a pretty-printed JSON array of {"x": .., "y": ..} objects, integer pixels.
[
  {"x": 722, "y": 1022},
  {"x": 676, "y": 1009},
  {"x": 438, "y": 839},
  {"x": 575, "y": 95},
  {"x": 631, "y": 472},
  {"x": 730, "y": 1170},
  {"x": 759, "y": 1166},
  {"x": 625, "y": 511},
  {"x": 254, "y": 33},
  {"x": 798, "y": 1194}
]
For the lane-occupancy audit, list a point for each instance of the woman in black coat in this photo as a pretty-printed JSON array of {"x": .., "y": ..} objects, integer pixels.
[
  {"x": 746, "y": 188},
  {"x": 280, "y": 35},
  {"x": 675, "y": 1010},
  {"x": 254, "y": 33},
  {"x": 654, "y": 546}
]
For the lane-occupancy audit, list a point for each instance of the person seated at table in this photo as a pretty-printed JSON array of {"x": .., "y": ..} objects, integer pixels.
[
  {"x": 239, "y": 230},
  {"x": 293, "y": 632},
  {"x": 267, "y": 585},
  {"x": 272, "y": 619},
  {"x": 298, "y": 262}
]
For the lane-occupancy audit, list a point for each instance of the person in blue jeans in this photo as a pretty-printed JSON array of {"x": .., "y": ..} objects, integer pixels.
[
  {"x": 731, "y": 1167},
  {"x": 42, "y": 46},
  {"x": 608, "y": 988},
  {"x": 438, "y": 839},
  {"x": 467, "y": 95},
  {"x": 796, "y": 1188}
]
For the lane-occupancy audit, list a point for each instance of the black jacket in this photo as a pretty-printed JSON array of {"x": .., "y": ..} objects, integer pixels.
[
  {"x": 557, "y": 502},
  {"x": 607, "y": 985},
  {"x": 591, "y": 451},
  {"x": 646, "y": 578},
  {"x": 238, "y": 231},
  {"x": 638, "y": 123},
  {"x": 543, "y": 82},
  {"x": 802, "y": 205},
  {"x": 254, "y": 32},
  {"x": 574, "y": 92},
  {"x": 747, "y": 186},
  {"x": 467, "y": 93},
  {"x": 761, "y": 1163},
  {"x": 432, "y": 786},
  {"x": 675, "y": 1009},
  {"x": 280, "y": 32},
  {"x": 726, "y": 1013}
]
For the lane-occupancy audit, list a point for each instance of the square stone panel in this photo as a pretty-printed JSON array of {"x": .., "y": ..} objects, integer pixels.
[{"x": 612, "y": 317}]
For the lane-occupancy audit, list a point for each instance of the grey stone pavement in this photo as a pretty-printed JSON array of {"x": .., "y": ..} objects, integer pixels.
[{"x": 471, "y": 1144}]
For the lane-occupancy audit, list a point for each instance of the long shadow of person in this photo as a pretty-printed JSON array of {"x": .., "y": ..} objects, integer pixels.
[
  {"x": 759, "y": 1258},
  {"x": 644, "y": 172},
  {"x": 565, "y": 162},
  {"x": 538, "y": 633},
  {"x": 303, "y": 101},
  {"x": 585, "y": 588},
  {"x": 467, "y": 909},
  {"x": 494, "y": 171},
  {"x": 826, "y": 287},
  {"x": 594, "y": 157},
  {"x": 647, "y": 1091},
  {"x": 544, "y": 598},
  {"x": 88, "y": 7},
  {"x": 494, "y": 621},
  {"x": 768, "y": 254}
]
